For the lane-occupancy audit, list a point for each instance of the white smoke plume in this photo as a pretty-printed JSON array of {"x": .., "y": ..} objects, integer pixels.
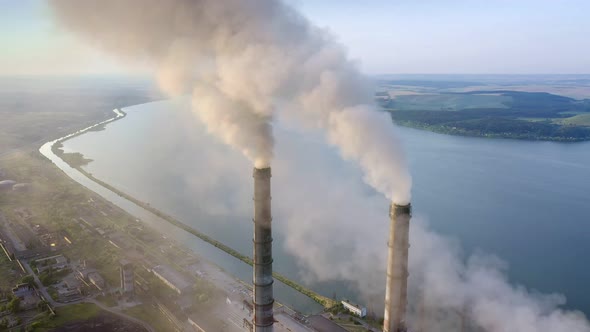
[
  {"x": 241, "y": 60},
  {"x": 337, "y": 230},
  {"x": 449, "y": 293}
]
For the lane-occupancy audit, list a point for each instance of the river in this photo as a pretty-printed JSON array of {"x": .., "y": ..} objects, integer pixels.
[{"x": 526, "y": 202}]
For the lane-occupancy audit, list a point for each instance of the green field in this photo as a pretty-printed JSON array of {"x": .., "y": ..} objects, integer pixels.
[
  {"x": 449, "y": 102},
  {"x": 10, "y": 274},
  {"x": 495, "y": 114},
  {"x": 82, "y": 311},
  {"x": 349, "y": 325},
  {"x": 577, "y": 120},
  {"x": 150, "y": 315},
  {"x": 34, "y": 110},
  {"x": 68, "y": 314}
]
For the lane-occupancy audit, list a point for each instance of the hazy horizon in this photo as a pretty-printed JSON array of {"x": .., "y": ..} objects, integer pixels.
[{"x": 457, "y": 37}]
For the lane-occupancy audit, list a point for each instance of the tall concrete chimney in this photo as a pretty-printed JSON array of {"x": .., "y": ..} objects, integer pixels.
[
  {"x": 397, "y": 268},
  {"x": 263, "y": 297}
]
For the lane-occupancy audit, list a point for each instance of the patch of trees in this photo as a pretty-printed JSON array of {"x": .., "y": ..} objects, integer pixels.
[
  {"x": 489, "y": 122},
  {"x": 14, "y": 305},
  {"x": 29, "y": 280},
  {"x": 504, "y": 122},
  {"x": 50, "y": 276},
  {"x": 440, "y": 84}
]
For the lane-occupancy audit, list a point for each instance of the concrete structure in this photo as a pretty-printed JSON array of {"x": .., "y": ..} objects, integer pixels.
[
  {"x": 355, "y": 309},
  {"x": 96, "y": 280},
  {"x": 7, "y": 184},
  {"x": 21, "y": 187},
  {"x": 57, "y": 262},
  {"x": 67, "y": 292},
  {"x": 397, "y": 268},
  {"x": 127, "y": 277},
  {"x": 84, "y": 271},
  {"x": 262, "y": 279},
  {"x": 172, "y": 279},
  {"x": 193, "y": 323}
]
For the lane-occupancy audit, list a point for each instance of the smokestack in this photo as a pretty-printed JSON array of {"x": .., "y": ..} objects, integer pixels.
[
  {"x": 397, "y": 268},
  {"x": 263, "y": 298}
]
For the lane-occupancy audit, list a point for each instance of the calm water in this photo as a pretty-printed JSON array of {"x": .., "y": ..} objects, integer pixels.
[{"x": 527, "y": 202}]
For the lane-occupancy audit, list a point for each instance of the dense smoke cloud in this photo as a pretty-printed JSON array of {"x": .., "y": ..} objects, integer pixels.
[
  {"x": 336, "y": 229},
  {"x": 449, "y": 292},
  {"x": 242, "y": 61}
]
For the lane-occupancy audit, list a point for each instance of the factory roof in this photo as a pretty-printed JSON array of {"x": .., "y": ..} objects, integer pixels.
[
  {"x": 173, "y": 277},
  {"x": 7, "y": 184},
  {"x": 124, "y": 262}
]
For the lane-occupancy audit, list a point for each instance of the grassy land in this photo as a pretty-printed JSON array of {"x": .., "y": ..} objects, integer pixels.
[
  {"x": 38, "y": 109},
  {"x": 74, "y": 159},
  {"x": 67, "y": 314},
  {"x": 502, "y": 114},
  {"x": 82, "y": 311},
  {"x": 577, "y": 120},
  {"x": 10, "y": 273},
  {"x": 449, "y": 102},
  {"x": 150, "y": 315},
  {"x": 349, "y": 325},
  {"x": 107, "y": 300}
]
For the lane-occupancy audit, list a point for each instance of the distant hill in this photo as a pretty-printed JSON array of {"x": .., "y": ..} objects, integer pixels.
[
  {"x": 492, "y": 113},
  {"x": 429, "y": 84}
]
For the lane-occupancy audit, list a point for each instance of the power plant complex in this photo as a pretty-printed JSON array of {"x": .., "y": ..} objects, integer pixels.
[{"x": 397, "y": 261}]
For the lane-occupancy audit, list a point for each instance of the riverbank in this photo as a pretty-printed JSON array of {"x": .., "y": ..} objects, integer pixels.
[
  {"x": 457, "y": 131},
  {"x": 76, "y": 161}
]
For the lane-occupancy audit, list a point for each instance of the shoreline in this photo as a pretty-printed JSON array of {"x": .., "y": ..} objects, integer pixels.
[
  {"x": 443, "y": 130},
  {"x": 48, "y": 147}
]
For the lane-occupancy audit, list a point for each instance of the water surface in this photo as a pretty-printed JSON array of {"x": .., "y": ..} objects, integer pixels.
[{"x": 527, "y": 202}]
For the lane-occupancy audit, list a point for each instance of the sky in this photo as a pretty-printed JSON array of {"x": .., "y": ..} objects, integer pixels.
[{"x": 385, "y": 36}]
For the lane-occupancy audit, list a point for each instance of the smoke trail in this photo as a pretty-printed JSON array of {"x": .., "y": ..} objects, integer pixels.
[
  {"x": 240, "y": 59},
  {"x": 450, "y": 292},
  {"x": 316, "y": 201}
]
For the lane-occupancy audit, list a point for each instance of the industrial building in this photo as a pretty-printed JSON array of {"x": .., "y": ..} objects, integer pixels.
[
  {"x": 172, "y": 278},
  {"x": 355, "y": 309},
  {"x": 193, "y": 323},
  {"x": 127, "y": 277},
  {"x": 58, "y": 262},
  {"x": 7, "y": 184},
  {"x": 67, "y": 292},
  {"x": 96, "y": 280}
]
